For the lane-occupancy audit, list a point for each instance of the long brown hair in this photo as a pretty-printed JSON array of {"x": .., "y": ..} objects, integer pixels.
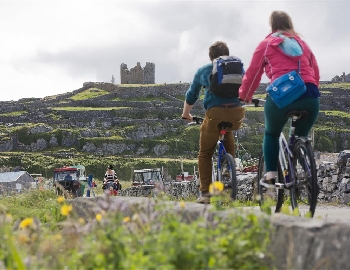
[{"x": 281, "y": 21}]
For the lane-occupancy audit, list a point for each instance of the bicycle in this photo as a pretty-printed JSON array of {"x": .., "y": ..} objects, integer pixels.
[
  {"x": 296, "y": 172},
  {"x": 223, "y": 166},
  {"x": 241, "y": 154}
]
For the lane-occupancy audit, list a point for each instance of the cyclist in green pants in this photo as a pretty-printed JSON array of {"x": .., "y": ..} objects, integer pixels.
[
  {"x": 277, "y": 60},
  {"x": 218, "y": 109}
]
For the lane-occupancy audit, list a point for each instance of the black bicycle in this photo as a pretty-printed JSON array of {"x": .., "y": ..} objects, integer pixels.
[{"x": 297, "y": 174}]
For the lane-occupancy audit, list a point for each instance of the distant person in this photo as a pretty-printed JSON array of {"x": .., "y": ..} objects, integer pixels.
[
  {"x": 275, "y": 61},
  {"x": 109, "y": 177},
  {"x": 218, "y": 109},
  {"x": 110, "y": 174},
  {"x": 68, "y": 177}
]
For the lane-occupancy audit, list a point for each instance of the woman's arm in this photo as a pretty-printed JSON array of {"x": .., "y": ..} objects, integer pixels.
[{"x": 252, "y": 76}]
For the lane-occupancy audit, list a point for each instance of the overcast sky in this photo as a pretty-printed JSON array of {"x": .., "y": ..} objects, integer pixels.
[{"x": 53, "y": 47}]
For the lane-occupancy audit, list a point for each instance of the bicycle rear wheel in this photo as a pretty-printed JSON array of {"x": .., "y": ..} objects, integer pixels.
[
  {"x": 269, "y": 197},
  {"x": 228, "y": 173},
  {"x": 305, "y": 190}
]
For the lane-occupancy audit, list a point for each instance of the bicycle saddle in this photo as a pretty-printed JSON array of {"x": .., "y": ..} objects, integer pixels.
[
  {"x": 225, "y": 125},
  {"x": 299, "y": 113}
]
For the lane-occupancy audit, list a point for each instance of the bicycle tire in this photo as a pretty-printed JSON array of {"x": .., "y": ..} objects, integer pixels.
[
  {"x": 261, "y": 191},
  {"x": 305, "y": 190},
  {"x": 228, "y": 173}
]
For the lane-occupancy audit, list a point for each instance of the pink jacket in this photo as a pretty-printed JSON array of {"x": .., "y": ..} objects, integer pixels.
[{"x": 269, "y": 56}]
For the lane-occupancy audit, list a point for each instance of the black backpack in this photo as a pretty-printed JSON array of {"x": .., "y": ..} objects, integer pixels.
[{"x": 226, "y": 76}]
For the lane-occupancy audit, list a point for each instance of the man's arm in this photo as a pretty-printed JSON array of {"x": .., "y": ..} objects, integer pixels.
[{"x": 186, "y": 111}]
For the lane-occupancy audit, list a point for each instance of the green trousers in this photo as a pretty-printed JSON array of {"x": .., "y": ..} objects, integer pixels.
[
  {"x": 209, "y": 135},
  {"x": 275, "y": 119}
]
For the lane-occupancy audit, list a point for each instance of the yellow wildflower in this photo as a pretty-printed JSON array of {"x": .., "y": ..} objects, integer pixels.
[
  {"x": 217, "y": 187},
  {"x": 60, "y": 199},
  {"x": 81, "y": 220},
  {"x": 182, "y": 204},
  {"x": 57, "y": 237},
  {"x": 66, "y": 209},
  {"x": 126, "y": 219},
  {"x": 26, "y": 222},
  {"x": 98, "y": 217}
]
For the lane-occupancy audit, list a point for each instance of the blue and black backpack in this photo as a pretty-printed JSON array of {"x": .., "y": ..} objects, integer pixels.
[{"x": 226, "y": 76}]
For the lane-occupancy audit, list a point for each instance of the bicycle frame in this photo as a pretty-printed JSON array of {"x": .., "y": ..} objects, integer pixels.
[
  {"x": 221, "y": 152},
  {"x": 225, "y": 167},
  {"x": 285, "y": 150},
  {"x": 284, "y": 154}
]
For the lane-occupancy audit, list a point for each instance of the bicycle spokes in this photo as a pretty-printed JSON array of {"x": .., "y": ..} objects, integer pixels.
[
  {"x": 302, "y": 176},
  {"x": 305, "y": 190}
]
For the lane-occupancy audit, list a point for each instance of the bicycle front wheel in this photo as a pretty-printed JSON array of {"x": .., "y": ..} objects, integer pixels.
[
  {"x": 269, "y": 197},
  {"x": 305, "y": 190},
  {"x": 228, "y": 173}
]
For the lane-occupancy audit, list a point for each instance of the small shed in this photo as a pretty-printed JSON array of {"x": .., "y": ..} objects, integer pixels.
[{"x": 15, "y": 182}]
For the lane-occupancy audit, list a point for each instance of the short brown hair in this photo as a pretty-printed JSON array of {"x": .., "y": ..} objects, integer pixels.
[
  {"x": 219, "y": 48},
  {"x": 280, "y": 20}
]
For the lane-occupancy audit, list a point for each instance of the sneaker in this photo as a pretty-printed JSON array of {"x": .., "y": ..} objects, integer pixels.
[
  {"x": 204, "y": 198},
  {"x": 268, "y": 183}
]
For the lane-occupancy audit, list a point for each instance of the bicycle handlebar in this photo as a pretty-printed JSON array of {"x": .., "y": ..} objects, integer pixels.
[
  {"x": 196, "y": 120},
  {"x": 256, "y": 102}
]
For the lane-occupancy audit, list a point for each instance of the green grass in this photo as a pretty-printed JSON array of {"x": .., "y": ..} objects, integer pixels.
[
  {"x": 155, "y": 238},
  {"x": 87, "y": 108},
  {"x": 337, "y": 114},
  {"x": 341, "y": 85},
  {"x": 17, "y": 113},
  {"x": 89, "y": 94},
  {"x": 40, "y": 204},
  {"x": 106, "y": 139},
  {"x": 254, "y": 109}
]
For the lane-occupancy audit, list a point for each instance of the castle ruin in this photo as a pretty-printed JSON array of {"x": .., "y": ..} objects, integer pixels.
[
  {"x": 137, "y": 74},
  {"x": 341, "y": 78}
]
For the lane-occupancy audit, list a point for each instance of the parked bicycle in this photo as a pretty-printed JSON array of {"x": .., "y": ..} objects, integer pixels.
[
  {"x": 297, "y": 175},
  {"x": 223, "y": 163}
]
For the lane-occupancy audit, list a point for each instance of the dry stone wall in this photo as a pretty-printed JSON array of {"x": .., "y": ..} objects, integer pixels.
[
  {"x": 333, "y": 181},
  {"x": 149, "y": 120}
]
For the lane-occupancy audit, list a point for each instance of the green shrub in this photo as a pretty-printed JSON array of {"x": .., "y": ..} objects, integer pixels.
[{"x": 156, "y": 238}]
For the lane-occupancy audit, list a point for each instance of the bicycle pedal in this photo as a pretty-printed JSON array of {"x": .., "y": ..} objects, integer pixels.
[{"x": 279, "y": 186}]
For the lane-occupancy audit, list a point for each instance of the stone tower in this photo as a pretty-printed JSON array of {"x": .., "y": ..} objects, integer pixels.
[
  {"x": 137, "y": 74},
  {"x": 149, "y": 73}
]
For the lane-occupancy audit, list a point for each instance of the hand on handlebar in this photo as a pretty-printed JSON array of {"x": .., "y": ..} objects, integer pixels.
[
  {"x": 254, "y": 101},
  {"x": 187, "y": 117}
]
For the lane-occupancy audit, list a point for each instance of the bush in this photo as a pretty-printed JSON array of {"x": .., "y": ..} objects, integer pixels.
[{"x": 143, "y": 239}]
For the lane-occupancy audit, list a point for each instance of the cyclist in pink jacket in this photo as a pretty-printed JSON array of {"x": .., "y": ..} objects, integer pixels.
[{"x": 275, "y": 60}]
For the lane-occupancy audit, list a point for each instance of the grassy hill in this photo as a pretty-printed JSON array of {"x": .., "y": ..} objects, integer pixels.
[{"x": 135, "y": 126}]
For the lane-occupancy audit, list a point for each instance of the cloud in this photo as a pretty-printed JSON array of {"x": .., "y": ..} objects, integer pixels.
[{"x": 52, "y": 47}]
